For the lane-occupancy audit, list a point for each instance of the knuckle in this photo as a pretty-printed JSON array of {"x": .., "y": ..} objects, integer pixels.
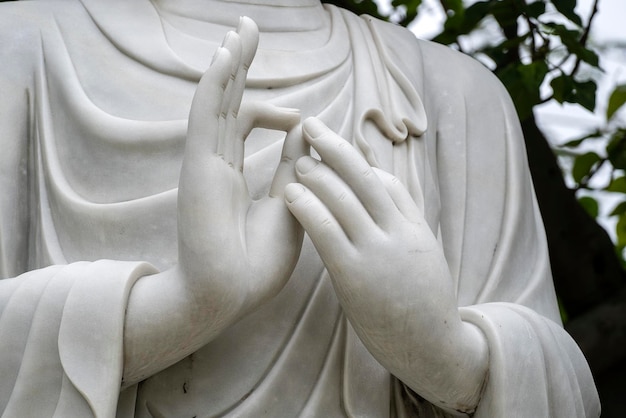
[
  {"x": 326, "y": 222},
  {"x": 367, "y": 172},
  {"x": 286, "y": 159},
  {"x": 343, "y": 145}
]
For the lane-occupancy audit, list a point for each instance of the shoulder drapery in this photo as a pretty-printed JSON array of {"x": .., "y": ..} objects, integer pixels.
[{"x": 492, "y": 234}]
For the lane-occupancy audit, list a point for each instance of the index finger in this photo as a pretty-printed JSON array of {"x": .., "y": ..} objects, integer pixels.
[
  {"x": 344, "y": 159},
  {"x": 249, "y": 36},
  {"x": 207, "y": 102}
]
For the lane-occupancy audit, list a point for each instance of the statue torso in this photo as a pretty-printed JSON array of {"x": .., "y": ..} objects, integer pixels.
[{"x": 110, "y": 135}]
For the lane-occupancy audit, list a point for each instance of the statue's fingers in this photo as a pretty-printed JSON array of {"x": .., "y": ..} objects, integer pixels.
[
  {"x": 344, "y": 159},
  {"x": 411, "y": 209},
  {"x": 249, "y": 33},
  {"x": 267, "y": 116},
  {"x": 232, "y": 98},
  {"x": 262, "y": 115},
  {"x": 327, "y": 235},
  {"x": 248, "y": 39},
  {"x": 294, "y": 147},
  {"x": 205, "y": 113},
  {"x": 338, "y": 197}
]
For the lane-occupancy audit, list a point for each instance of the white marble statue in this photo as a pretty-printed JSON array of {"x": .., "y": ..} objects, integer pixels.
[{"x": 156, "y": 268}]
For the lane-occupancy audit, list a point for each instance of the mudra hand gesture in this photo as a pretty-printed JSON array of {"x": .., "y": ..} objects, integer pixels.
[
  {"x": 388, "y": 270},
  {"x": 234, "y": 253},
  {"x": 244, "y": 250}
]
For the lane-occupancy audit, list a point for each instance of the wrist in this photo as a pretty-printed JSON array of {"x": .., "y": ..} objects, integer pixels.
[{"x": 450, "y": 371}]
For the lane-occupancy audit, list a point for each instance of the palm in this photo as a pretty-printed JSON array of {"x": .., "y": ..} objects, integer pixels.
[{"x": 242, "y": 250}]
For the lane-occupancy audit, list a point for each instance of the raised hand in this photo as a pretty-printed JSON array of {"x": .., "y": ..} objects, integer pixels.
[
  {"x": 238, "y": 252},
  {"x": 388, "y": 270},
  {"x": 234, "y": 253}
]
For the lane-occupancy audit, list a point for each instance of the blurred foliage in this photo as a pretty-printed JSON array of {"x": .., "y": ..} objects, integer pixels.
[{"x": 540, "y": 51}]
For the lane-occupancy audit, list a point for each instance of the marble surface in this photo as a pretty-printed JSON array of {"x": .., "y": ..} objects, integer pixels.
[{"x": 297, "y": 213}]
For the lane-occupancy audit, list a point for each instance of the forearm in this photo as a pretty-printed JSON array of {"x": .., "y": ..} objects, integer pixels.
[{"x": 167, "y": 319}]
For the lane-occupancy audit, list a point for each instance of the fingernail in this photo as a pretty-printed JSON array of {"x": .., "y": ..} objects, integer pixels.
[
  {"x": 226, "y": 39},
  {"x": 305, "y": 164},
  {"x": 293, "y": 191},
  {"x": 242, "y": 21},
  {"x": 314, "y": 127},
  {"x": 216, "y": 54}
]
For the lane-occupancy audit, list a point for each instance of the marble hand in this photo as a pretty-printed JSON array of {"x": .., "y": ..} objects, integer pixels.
[
  {"x": 234, "y": 252},
  {"x": 241, "y": 251},
  {"x": 388, "y": 270}
]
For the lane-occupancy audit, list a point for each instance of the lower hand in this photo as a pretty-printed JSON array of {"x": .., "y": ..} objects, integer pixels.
[{"x": 388, "y": 269}]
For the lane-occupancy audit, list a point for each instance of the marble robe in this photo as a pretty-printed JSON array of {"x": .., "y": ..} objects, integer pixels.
[{"x": 92, "y": 130}]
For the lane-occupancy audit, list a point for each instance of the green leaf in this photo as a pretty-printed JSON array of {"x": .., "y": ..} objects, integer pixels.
[
  {"x": 620, "y": 230},
  {"x": 619, "y": 252},
  {"x": 585, "y": 54},
  {"x": 566, "y": 8},
  {"x": 410, "y": 11},
  {"x": 445, "y": 38},
  {"x": 576, "y": 142},
  {"x": 617, "y": 99},
  {"x": 616, "y": 149},
  {"x": 536, "y": 9},
  {"x": 617, "y": 185},
  {"x": 585, "y": 94},
  {"x": 533, "y": 73},
  {"x": 590, "y": 205},
  {"x": 561, "y": 88},
  {"x": 566, "y": 89},
  {"x": 571, "y": 39},
  {"x": 506, "y": 12},
  {"x": 583, "y": 164},
  {"x": 477, "y": 12},
  {"x": 498, "y": 53},
  {"x": 620, "y": 209},
  {"x": 463, "y": 22},
  {"x": 454, "y": 5}
]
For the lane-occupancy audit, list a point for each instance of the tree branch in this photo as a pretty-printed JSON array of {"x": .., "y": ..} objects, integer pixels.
[{"x": 585, "y": 36}]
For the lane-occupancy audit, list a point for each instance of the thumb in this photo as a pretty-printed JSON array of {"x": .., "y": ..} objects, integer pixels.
[
  {"x": 266, "y": 115},
  {"x": 294, "y": 147}
]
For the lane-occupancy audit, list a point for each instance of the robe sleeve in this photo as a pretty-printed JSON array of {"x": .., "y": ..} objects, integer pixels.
[
  {"x": 494, "y": 240},
  {"x": 492, "y": 234},
  {"x": 61, "y": 339}
]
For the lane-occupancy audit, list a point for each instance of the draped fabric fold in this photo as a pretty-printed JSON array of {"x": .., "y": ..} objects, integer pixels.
[
  {"x": 534, "y": 365},
  {"x": 94, "y": 147},
  {"x": 61, "y": 339}
]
